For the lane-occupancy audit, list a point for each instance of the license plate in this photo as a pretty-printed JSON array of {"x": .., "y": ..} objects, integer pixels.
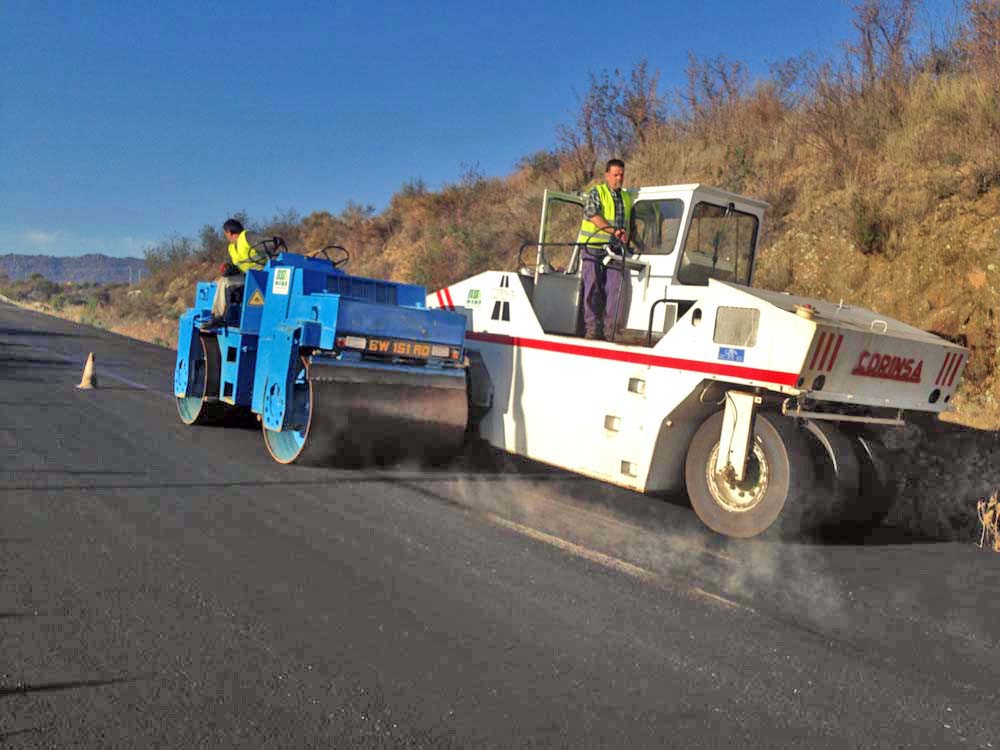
[{"x": 398, "y": 348}]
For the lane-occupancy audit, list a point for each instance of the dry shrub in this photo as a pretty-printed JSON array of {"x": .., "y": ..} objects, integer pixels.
[
  {"x": 981, "y": 40},
  {"x": 988, "y": 510}
]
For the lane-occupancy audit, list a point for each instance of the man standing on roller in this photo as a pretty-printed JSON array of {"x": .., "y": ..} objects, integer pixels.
[{"x": 607, "y": 214}]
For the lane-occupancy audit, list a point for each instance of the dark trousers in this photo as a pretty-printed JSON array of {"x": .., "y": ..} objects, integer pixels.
[{"x": 601, "y": 292}]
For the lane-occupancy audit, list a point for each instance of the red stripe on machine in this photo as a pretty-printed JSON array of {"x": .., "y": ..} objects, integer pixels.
[
  {"x": 826, "y": 351},
  {"x": 819, "y": 345},
  {"x": 440, "y": 299},
  {"x": 447, "y": 296},
  {"x": 944, "y": 366},
  {"x": 836, "y": 351},
  {"x": 954, "y": 370},
  {"x": 653, "y": 360}
]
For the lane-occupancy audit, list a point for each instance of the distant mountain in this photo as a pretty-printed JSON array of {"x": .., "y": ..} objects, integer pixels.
[{"x": 81, "y": 268}]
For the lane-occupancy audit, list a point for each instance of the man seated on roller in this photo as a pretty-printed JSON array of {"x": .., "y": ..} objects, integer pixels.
[{"x": 233, "y": 273}]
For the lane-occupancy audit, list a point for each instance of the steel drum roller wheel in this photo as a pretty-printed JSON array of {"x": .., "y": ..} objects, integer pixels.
[
  {"x": 778, "y": 484},
  {"x": 288, "y": 445},
  {"x": 201, "y": 406},
  {"x": 356, "y": 416}
]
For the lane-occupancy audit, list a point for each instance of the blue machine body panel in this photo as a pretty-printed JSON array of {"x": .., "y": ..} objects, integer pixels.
[
  {"x": 238, "y": 351},
  {"x": 302, "y": 305},
  {"x": 187, "y": 341},
  {"x": 253, "y": 301},
  {"x": 204, "y": 295}
]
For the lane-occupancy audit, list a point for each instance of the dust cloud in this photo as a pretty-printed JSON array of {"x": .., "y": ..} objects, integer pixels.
[
  {"x": 941, "y": 469},
  {"x": 661, "y": 535}
]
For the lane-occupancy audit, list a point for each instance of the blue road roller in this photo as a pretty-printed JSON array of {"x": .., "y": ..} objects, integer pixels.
[{"x": 338, "y": 369}]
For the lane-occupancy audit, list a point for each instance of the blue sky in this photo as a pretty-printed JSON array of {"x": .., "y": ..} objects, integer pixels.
[{"x": 122, "y": 124}]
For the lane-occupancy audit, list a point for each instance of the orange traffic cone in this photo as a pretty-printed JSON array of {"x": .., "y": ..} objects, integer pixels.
[{"x": 89, "y": 379}]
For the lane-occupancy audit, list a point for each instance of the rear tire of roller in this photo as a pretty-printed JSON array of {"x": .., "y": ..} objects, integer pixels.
[
  {"x": 202, "y": 407},
  {"x": 834, "y": 506},
  {"x": 878, "y": 482}
]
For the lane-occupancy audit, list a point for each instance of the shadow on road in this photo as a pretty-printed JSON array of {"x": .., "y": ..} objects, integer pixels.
[
  {"x": 14, "y": 362},
  {"x": 29, "y": 332},
  {"x": 71, "y": 472},
  {"x": 880, "y": 536},
  {"x": 36, "y": 404},
  {"x": 385, "y": 478},
  {"x": 48, "y": 687}
]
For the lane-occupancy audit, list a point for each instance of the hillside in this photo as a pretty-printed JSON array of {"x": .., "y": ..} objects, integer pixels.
[
  {"x": 80, "y": 269},
  {"x": 882, "y": 169}
]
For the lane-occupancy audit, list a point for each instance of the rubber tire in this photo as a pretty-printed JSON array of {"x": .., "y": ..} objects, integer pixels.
[
  {"x": 838, "y": 486},
  {"x": 782, "y": 509},
  {"x": 878, "y": 482}
]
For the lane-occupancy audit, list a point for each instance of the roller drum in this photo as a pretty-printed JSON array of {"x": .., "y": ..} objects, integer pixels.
[
  {"x": 201, "y": 405},
  {"x": 357, "y": 416}
]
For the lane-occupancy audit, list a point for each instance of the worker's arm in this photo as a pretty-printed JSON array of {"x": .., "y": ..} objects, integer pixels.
[{"x": 601, "y": 223}]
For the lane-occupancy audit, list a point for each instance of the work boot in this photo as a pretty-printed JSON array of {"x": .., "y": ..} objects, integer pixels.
[{"x": 594, "y": 333}]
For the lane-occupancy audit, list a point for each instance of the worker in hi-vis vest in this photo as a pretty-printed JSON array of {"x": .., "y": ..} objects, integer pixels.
[
  {"x": 241, "y": 259},
  {"x": 607, "y": 214}
]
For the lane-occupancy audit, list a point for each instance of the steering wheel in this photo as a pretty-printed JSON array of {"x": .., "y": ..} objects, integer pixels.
[
  {"x": 614, "y": 245},
  {"x": 341, "y": 261},
  {"x": 264, "y": 250}
]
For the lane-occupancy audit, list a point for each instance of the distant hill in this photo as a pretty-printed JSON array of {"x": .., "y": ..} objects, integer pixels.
[{"x": 93, "y": 267}]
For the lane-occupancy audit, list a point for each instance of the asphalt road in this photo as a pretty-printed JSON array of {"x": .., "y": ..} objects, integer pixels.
[{"x": 167, "y": 586}]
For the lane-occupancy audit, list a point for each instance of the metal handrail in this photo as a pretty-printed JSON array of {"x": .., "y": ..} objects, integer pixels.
[
  {"x": 652, "y": 311},
  {"x": 542, "y": 245}
]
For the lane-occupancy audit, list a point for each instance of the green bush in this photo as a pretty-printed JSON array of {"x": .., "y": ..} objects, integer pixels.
[{"x": 869, "y": 226}]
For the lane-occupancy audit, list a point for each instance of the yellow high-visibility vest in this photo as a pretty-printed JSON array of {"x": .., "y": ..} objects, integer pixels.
[
  {"x": 239, "y": 253},
  {"x": 590, "y": 233}
]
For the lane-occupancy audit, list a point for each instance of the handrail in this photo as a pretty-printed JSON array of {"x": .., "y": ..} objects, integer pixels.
[
  {"x": 649, "y": 328},
  {"x": 542, "y": 245}
]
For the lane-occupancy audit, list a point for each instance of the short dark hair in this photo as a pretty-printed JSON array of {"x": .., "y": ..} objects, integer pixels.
[
  {"x": 614, "y": 163},
  {"x": 232, "y": 226}
]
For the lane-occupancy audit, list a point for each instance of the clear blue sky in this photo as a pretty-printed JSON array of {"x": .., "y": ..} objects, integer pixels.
[{"x": 124, "y": 123}]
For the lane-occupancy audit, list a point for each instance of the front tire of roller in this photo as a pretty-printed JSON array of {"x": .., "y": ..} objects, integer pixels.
[
  {"x": 779, "y": 480},
  {"x": 289, "y": 445}
]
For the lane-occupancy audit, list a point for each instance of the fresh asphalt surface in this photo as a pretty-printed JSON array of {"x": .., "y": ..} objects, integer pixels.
[{"x": 169, "y": 586}]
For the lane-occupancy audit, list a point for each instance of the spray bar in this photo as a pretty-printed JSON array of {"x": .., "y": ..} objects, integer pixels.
[{"x": 799, "y": 413}]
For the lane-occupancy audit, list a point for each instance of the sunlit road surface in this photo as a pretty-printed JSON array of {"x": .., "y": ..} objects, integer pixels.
[{"x": 168, "y": 586}]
